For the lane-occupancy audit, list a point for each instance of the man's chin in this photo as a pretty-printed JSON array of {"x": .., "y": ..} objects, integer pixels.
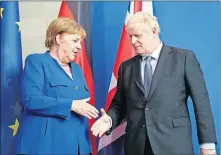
[{"x": 141, "y": 53}]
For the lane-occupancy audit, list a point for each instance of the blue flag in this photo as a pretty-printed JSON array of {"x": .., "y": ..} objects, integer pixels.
[{"x": 11, "y": 68}]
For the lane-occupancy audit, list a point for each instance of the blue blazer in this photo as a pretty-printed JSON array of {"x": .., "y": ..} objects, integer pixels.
[{"x": 47, "y": 125}]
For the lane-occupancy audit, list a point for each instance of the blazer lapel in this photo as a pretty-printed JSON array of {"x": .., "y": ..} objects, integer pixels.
[
  {"x": 59, "y": 70},
  {"x": 159, "y": 71},
  {"x": 137, "y": 73}
]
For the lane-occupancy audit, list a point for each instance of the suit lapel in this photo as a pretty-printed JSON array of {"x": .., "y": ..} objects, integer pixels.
[
  {"x": 160, "y": 68},
  {"x": 137, "y": 73}
]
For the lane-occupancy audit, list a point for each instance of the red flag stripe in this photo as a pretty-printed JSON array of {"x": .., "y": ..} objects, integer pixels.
[
  {"x": 137, "y": 6},
  {"x": 65, "y": 11},
  {"x": 125, "y": 45}
]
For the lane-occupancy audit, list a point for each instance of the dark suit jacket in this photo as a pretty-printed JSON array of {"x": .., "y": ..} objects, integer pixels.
[{"x": 163, "y": 116}]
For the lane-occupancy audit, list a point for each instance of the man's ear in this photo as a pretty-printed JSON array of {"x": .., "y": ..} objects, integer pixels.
[{"x": 155, "y": 33}]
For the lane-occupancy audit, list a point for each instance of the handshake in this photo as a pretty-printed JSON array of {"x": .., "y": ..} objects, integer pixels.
[{"x": 102, "y": 125}]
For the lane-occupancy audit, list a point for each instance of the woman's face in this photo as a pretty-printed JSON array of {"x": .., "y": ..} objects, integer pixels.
[{"x": 70, "y": 45}]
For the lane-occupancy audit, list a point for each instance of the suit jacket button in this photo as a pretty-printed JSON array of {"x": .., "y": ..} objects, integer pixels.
[
  {"x": 144, "y": 126},
  {"x": 147, "y": 109},
  {"x": 76, "y": 87}
]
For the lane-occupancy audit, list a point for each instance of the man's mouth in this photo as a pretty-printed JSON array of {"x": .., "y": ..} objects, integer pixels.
[{"x": 137, "y": 46}]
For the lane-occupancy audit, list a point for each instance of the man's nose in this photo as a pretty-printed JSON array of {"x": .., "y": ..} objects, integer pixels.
[{"x": 134, "y": 39}]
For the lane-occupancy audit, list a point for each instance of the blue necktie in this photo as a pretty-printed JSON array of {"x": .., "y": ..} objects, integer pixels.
[{"x": 147, "y": 75}]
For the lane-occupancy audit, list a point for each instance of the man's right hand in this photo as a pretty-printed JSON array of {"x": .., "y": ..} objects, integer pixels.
[
  {"x": 83, "y": 108},
  {"x": 102, "y": 125}
]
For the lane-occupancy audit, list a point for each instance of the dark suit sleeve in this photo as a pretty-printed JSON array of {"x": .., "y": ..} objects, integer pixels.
[
  {"x": 33, "y": 98},
  {"x": 117, "y": 109},
  {"x": 199, "y": 95}
]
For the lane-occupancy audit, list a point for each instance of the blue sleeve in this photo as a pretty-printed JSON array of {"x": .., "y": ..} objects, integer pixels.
[{"x": 33, "y": 98}]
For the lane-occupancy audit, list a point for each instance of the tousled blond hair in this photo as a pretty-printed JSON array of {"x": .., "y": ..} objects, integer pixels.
[
  {"x": 62, "y": 25},
  {"x": 146, "y": 18}
]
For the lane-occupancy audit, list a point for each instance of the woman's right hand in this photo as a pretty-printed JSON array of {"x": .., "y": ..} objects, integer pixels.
[{"x": 83, "y": 108}]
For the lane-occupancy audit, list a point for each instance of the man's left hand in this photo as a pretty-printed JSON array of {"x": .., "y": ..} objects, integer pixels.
[{"x": 207, "y": 151}]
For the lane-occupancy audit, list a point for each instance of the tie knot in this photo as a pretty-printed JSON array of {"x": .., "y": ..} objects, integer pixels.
[{"x": 147, "y": 59}]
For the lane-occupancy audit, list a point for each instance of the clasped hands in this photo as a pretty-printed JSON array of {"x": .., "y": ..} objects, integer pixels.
[{"x": 83, "y": 108}]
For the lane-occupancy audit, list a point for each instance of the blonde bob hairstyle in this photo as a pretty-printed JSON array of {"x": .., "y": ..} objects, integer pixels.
[{"x": 62, "y": 25}]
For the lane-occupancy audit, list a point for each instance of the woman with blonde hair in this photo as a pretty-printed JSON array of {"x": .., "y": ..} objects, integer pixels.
[{"x": 55, "y": 95}]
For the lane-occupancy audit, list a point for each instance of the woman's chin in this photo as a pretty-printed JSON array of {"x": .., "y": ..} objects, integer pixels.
[{"x": 71, "y": 58}]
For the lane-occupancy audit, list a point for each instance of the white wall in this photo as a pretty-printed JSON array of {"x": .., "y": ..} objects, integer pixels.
[{"x": 34, "y": 19}]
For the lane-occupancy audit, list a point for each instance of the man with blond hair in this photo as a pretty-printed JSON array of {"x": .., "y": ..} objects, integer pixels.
[{"x": 152, "y": 92}]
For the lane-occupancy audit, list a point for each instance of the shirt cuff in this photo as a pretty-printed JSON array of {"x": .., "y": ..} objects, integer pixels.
[
  {"x": 110, "y": 122},
  {"x": 210, "y": 146}
]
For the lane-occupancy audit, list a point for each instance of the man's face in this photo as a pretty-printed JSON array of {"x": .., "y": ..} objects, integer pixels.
[
  {"x": 142, "y": 37},
  {"x": 70, "y": 45}
]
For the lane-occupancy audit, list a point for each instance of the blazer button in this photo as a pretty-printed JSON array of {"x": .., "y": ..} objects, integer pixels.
[
  {"x": 144, "y": 126},
  {"x": 76, "y": 87},
  {"x": 147, "y": 109}
]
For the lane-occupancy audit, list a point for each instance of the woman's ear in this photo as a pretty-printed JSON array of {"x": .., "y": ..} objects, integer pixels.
[{"x": 58, "y": 39}]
